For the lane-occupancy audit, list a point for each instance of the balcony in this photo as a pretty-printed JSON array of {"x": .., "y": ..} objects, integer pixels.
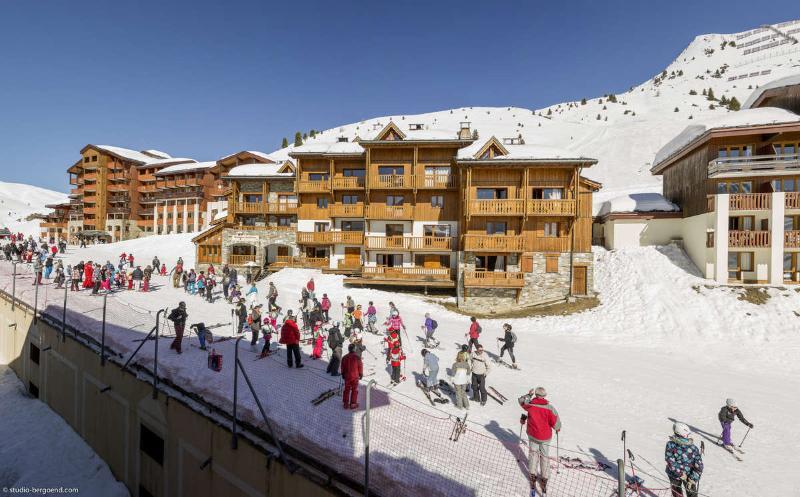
[
  {"x": 346, "y": 210},
  {"x": 791, "y": 239},
  {"x": 409, "y": 243},
  {"x": 394, "y": 212},
  {"x": 119, "y": 197},
  {"x": 551, "y": 207},
  {"x": 304, "y": 262},
  {"x": 120, "y": 176},
  {"x": 348, "y": 183},
  {"x": 306, "y": 185},
  {"x": 117, "y": 188},
  {"x": 748, "y": 239},
  {"x": 265, "y": 208},
  {"x": 119, "y": 210},
  {"x": 90, "y": 177},
  {"x": 53, "y": 225},
  {"x": 750, "y": 201},
  {"x": 493, "y": 279},
  {"x": 90, "y": 187},
  {"x": 390, "y": 181},
  {"x": 241, "y": 260},
  {"x": 147, "y": 188},
  {"x": 330, "y": 237},
  {"x": 436, "y": 181},
  {"x": 416, "y": 273},
  {"x": 792, "y": 200},
  {"x": 196, "y": 192},
  {"x": 504, "y": 207},
  {"x": 753, "y": 164},
  {"x": 494, "y": 243}
]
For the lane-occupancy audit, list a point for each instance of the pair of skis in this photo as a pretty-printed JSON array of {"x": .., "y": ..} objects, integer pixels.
[
  {"x": 327, "y": 394},
  {"x": 459, "y": 428},
  {"x": 504, "y": 363},
  {"x": 438, "y": 399},
  {"x": 497, "y": 396}
]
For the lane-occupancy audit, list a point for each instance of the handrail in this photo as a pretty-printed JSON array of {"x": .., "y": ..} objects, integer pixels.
[
  {"x": 753, "y": 163},
  {"x": 155, "y": 360}
]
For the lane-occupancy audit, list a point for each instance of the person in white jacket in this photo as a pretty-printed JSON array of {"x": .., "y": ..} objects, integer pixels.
[{"x": 461, "y": 378}]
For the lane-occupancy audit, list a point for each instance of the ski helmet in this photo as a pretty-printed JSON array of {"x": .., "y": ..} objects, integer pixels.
[
  {"x": 730, "y": 403},
  {"x": 681, "y": 430},
  {"x": 540, "y": 392}
]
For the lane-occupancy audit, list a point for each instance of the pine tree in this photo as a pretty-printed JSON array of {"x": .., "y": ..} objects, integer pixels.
[
  {"x": 734, "y": 104},
  {"x": 549, "y": 112},
  {"x": 710, "y": 94},
  {"x": 612, "y": 98},
  {"x": 598, "y": 117},
  {"x": 475, "y": 134},
  {"x": 312, "y": 133},
  {"x": 723, "y": 100},
  {"x": 305, "y": 137},
  {"x": 711, "y": 107},
  {"x": 604, "y": 107},
  {"x": 692, "y": 92},
  {"x": 676, "y": 110},
  {"x": 298, "y": 139},
  {"x": 284, "y": 143},
  {"x": 705, "y": 92},
  {"x": 583, "y": 101}
]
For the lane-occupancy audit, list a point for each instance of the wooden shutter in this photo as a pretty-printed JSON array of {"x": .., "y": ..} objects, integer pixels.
[
  {"x": 551, "y": 263},
  {"x": 526, "y": 263}
]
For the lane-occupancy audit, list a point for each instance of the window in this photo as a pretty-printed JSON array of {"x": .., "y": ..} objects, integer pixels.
[
  {"x": 151, "y": 444},
  {"x": 437, "y": 201},
  {"x": 394, "y": 230},
  {"x": 437, "y": 170},
  {"x": 436, "y": 230},
  {"x": 287, "y": 199},
  {"x": 86, "y": 159},
  {"x": 735, "y": 187},
  {"x": 249, "y": 197},
  {"x": 350, "y": 199},
  {"x": 394, "y": 200},
  {"x": 353, "y": 173},
  {"x": 548, "y": 193},
  {"x": 791, "y": 223},
  {"x": 709, "y": 239},
  {"x": 390, "y": 170},
  {"x": 490, "y": 263},
  {"x": 741, "y": 223},
  {"x": 34, "y": 353},
  {"x": 321, "y": 227},
  {"x": 322, "y": 202},
  {"x": 735, "y": 151},
  {"x": 318, "y": 176},
  {"x": 551, "y": 263},
  {"x": 550, "y": 229},
  {"x": 738, "y": 263},
  {"x": 492, "y": 193},
  {"x": 352, "y": 225},
  {"x": 790, "y": 269},
  {"x": 496, "y": 227},
  {"x": 284, "y": 221},
  {"x": 94, "y": 158},
  {"x": 788, "y": 150},
  {"x": 785, "y": 185},
  {"x": 389, "y": 260}
]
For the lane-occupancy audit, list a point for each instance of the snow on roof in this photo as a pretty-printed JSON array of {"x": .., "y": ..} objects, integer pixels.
[
  {"x": 157, "y": 153},
  {"x": 420, "y": 134},
  {"x": 191, "y": 166},
  {"x": 262, "y": 155},
  {"x": 318, "y": 147},
  {"x": 637, "y": 202},
  {"x": 169, "y": 161},
  {"x": 260, "y": 171},
  {"x": 523, "y": 152},
  {"x": 125, "y": 153},
  {"x": 778, "y": 83},
  {"x": 742, "y": 118}
]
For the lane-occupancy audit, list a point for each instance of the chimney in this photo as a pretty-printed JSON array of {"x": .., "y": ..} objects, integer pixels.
[{"x": 465, "y": 133}]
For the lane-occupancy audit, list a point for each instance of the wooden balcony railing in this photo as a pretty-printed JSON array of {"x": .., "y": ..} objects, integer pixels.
[
  {"x": 750, "y": 201},
  {"x": 348, "y": 183},
  {"x": 390, "y": 181},
  {"x": 409, "y": 243},
  {"x": 117, "y": 188},
  {"x": 265, "y": 208},
  {"x": 436, "y": 181},
  {"x": 416, "y": 273},
  {"x": 506, "y": 207},
  {"x": 792, "y": 200},
  {"x": 299, "y": 261},
  {"x": 494, "y": 243},
  {"x": 240, "y": 260},
  {"x": 380, "y": 211},
  {"x": 748, "y": 239},
  {"x": 753, "y": 163},
  {"x": 710, "y": 203},
  {"x": 346, "y": 210},
  {"x": 330, "y": 237},
  {"x": 53, "y": 225},
  {"x": 565, "y": 207},
  {"x": 791, "y": 239},
  {"x": 493, "y": 279},
  {"x": 309, "y": 186}
]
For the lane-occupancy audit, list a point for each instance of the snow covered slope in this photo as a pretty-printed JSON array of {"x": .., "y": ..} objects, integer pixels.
[
  {"x": 18, "y": 201},
  {"x": 633, "y": 128}
]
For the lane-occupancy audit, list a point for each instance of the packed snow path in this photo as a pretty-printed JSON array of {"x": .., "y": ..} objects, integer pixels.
[{"x": 661, "y": 346}]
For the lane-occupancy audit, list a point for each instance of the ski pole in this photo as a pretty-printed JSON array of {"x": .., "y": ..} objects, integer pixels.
[
  {"x": 745, "y": 437},
  {"x": 558, "y": 458}
]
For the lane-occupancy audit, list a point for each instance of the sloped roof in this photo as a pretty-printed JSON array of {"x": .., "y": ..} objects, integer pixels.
[
  {"x": 527, "y": 152},
  {"x": 792, "y": 80},
  {"x": 182, "y": 168},
  {"x": 262, "y": 171}
]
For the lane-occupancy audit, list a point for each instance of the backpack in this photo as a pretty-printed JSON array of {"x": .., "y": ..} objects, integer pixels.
[
  {"x": 434, "y": 324},
  {"x": 513, "y": 337},
  {"x": 249, "y": 320}
]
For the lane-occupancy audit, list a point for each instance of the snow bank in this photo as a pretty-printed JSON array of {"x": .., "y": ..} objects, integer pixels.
[
  {"x": 18, "y": 201},
  {"x": 636, "y": 202}
]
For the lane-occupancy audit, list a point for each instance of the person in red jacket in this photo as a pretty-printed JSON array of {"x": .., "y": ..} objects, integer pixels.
[
  {"x": 352, "y": 371},
  {"x": 542, "y": 420},
  {"x": 290, "y": 336},
  {"x": 474, "y": 333}
]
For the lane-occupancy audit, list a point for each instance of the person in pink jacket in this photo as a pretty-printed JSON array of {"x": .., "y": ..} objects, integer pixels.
[
  {"x": 474, "y": 333},
  {"x": 325, "y": 306}
]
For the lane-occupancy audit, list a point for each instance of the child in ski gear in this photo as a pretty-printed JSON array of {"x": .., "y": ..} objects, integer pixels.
[
  {"x": 178, "y": 317},
  {"x": 392, "y": 341},
  {"x": 394, "y": 323},
  {"x": 252, "y": 294},
  {"x": 430, "y": 368},
  {"x": 254, "y": 321},
  {"x": 460, "y": 378},
  {"x": 396, "y": 360},
  {"x": 270, "y": 326},
  {"x": 509, "y": 339},
  {"x": 317, "y": 338},
  {"x": 372, "y": 317},
  {"x": 684, "y": 462},
  {"x": 542, "y": 420},
  {"x": 480, "y": 368},
  {"x": 474, "y": 332},
  {"x": 325, "y": 306},
  {"x": 241, "y": 316},
  {"x": 358, "y": 314},
  {"x": 727, "y": 414},
  {"x": 290, "y": 336},
  {"x": 335, "y": 342},
  {"x": 352, "y": 371}
]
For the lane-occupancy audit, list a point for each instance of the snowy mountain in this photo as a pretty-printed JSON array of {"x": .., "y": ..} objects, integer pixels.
[
  {"x": 18, "y": 201},
  {"x": 625, "y": 132}
]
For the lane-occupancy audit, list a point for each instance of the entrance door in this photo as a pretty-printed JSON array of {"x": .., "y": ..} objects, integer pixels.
[
  {"x": 352, "y": 256},
  {"x": 579, "y": 280},
  {"x": 283, "y": 251}
]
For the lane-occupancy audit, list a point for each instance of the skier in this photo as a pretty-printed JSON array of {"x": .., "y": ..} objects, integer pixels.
[
  {"x": 350, "y": 304},
  {"x": 684, "y": 462},
  {"x": 48, "y": 267},
  {"x": 241, "y": 314},
  {"x": 396, "y": 359},
  {"x": 430, "y": 369},
  {"x": 254, "y": 320},
  {"x": 460, "y": 379},
  {"x": 270, "y": 326},
  {"x": 252, "y": 294},
  {"x": 325, "y": 306},
  {"x": 429, "y": 328},
  {"x": 310, "y": 288},
  {"x": 178, "y": 317},
  {"x": 509, "y": 339},
  {"x": 542, "y": 419},
  {"x": 335, "y": 342},
  {"x": 372, "y": 318},
  {"x": 37, "y": 272},
  {"x": 290, "y": 336},
  {"x": 352, "y": 371},
  {"x": 394, "y": 323},
  {"x": 138, "y": 276},
  {"x": 317, "y": 339},
  {"x": 272, "y": 297},
  {"x": 727, "y": 414},
  {"x": 480, "y": 368},
  {"x": 474, "y": 332}
]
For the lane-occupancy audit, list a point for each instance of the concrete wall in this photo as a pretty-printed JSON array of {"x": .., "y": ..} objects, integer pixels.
[
  {"x": 108, "y": 407},
  {"x": 624, "y": 233}
]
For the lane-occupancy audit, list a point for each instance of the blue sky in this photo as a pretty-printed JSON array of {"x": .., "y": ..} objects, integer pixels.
[{"x": 206, "y": 78}]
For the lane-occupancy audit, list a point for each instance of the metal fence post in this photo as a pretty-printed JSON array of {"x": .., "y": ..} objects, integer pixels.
[
  {"x": 14, "y": 287},
  {"x": 64, "y": 315},
  {"x": 234, "y": 440},
  {"x": 103, "y": 332},
  {"x": 366, "y": 436},
  {"x": 35, "y": 298},
  {"x": 155, "y": 355},
  {"x": 621, "y": 477}
]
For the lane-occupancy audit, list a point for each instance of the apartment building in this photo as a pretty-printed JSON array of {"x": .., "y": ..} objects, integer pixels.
[
  {"x": 55, "y": 224},
  {"x": 737, "y": 181}
]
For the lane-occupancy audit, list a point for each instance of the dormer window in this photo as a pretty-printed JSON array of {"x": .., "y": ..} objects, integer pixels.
[
  {"x": 512, "y": 141},
  {"x": 415, "y": 127},
  {"x": 342, "y": 139}
]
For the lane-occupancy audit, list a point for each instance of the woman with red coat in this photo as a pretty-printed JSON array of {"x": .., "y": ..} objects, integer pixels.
[
  {"x": 352, "y": 371},
  {"x": 88, "y": 282},
  {"x": 290, "y": 336},
  {"x": 163, "y": 270}
]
